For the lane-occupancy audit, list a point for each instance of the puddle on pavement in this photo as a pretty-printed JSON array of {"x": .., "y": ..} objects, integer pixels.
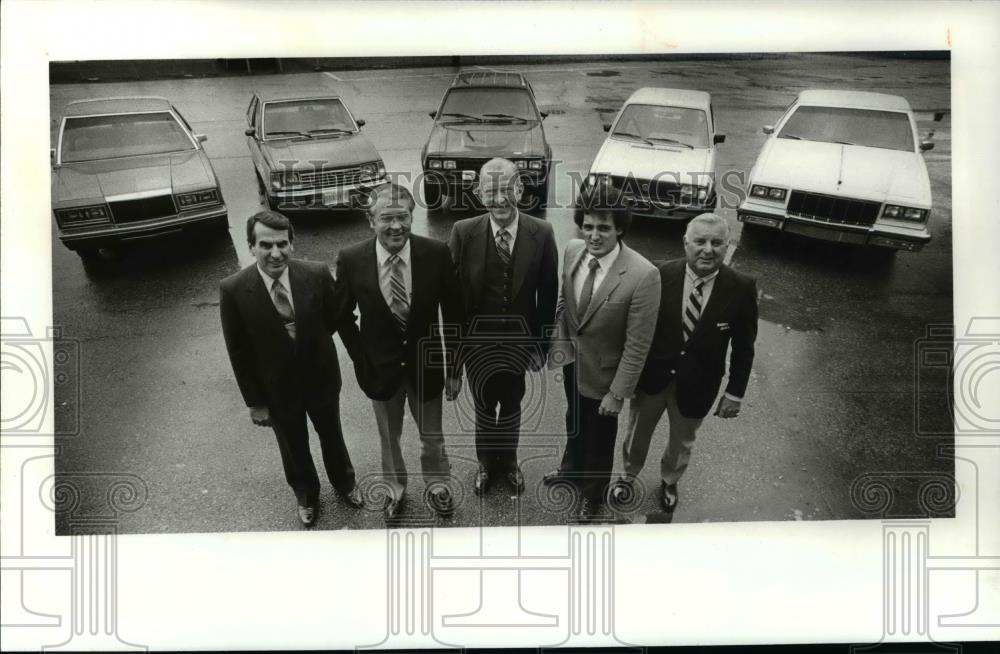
[
  {"x": 796, "y": 315},
  {"x": 603, "y": 73}
]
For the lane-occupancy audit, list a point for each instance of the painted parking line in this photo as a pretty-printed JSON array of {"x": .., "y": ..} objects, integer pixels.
[{"x": 331, "y": 75}]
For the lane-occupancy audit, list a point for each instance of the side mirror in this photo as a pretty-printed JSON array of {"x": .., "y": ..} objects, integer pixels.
[
  {"x": 718, "y": 138},
  {"x": 768, "y": 129},
  {"x": 938, "y": 116},
  {"x": 926, "y": 145},
  {"x": 544, "y": 114},
  {"x": 607, "y": 127},
  {"x": 433, "y": 114},
  {"x": 201, "y": 138},
  {"x": 249, "y": 131},
  {"x": 360, "y": 122}
]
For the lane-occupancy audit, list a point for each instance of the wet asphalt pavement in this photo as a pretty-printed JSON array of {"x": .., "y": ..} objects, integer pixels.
[{"x": 833, "y": 394}]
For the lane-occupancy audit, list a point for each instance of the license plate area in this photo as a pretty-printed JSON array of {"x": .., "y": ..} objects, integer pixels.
[{"x": 336, "y": 197}]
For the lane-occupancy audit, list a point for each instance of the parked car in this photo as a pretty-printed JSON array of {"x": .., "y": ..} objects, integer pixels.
[
  {"x": 843, "y": 166},
  {"x": 125, "y": 169},
  {"x": 482, "y": 115},
  {"x": 659, "y": 156},
  {"x": 308, "y": 151}
]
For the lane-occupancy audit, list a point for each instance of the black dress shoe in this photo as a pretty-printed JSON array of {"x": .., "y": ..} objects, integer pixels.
[
  {"x": 669, "y": 497},
  {"x": 552, "y": 476},
  {"x": 516, "y": 479},
  {"x": 482, "y": 481},
  {"x": 439, "y": 500},
  {"x": 353, "y": 498},
  {"x": 586, "y": 510},
  {"x": 393, "y": 508},
  {"x": 307, "y": 515}
]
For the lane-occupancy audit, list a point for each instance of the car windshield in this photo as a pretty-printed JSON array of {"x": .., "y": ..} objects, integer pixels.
[
  {"x": 868, "y": 127},
  {"x": 88, "y": 138},
  {"x": 306, "y": 118},
  {"x": 664, "y": 125},
  {"x": 497, "y": 105}
]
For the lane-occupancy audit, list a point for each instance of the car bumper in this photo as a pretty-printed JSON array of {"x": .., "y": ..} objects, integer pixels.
[
  {"x": 111, "y": 234},
  {"x": 881, "y": 235},
  {"x": 452, "y": 181},
  {"x": 323, "y": 197},
  {"x": 647, "y": 208}
]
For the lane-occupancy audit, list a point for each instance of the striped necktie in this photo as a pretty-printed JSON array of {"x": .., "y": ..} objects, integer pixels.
[
  {"x": 692, "y": 309},
  {"x": 400, "y": 305},
  {"x": 284, "y": 306},
  {"x": 503, "y": 248}
]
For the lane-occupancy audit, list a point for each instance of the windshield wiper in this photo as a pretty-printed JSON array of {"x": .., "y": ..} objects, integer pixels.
[
  {"x": 635, "y": 136},
  {"x": 303, "y": 134},
  {"x": 660, "y": 138},
  {"x": 506, "y": 116},
  {"x": 465, "y": 117},
  {"x": 330, "y": 130}
]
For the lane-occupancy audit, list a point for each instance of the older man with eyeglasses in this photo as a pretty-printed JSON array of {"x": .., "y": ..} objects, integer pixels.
[{"x": 508, "y": 269}]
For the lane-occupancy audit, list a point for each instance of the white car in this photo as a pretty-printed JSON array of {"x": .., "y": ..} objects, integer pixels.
[
  {"x": 659, "y": 156},
  {"x": 843, "y": 166}
]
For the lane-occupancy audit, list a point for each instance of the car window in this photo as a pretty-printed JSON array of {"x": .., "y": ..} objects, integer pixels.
[
  {"x": 251, "y": 110},
  {"x": 656, "y": 122},
  {"x": 306, "y": 116},
  {"x": 87, "y": 138},
  {"x": 868, "y": 127},
  {"x": 478, "y": 102}
]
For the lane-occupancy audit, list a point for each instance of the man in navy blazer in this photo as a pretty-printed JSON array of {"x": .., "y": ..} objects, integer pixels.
[
  {"x": 398, "y": 281},
  {"x": 705, "y": 308},
  {"x": 508, "y": 268},
  {"x": 278, "y": 318}
]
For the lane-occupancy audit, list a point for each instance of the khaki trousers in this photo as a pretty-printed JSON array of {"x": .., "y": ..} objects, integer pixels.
[{"x": 644, "y": 413}]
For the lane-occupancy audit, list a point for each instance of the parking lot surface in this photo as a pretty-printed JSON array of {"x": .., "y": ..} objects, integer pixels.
[{"x": 833, "y": 395}]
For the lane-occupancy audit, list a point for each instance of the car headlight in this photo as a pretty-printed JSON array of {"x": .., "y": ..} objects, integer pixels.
[
  {"x": 536, "y": 165},
  {"x": 368, "y": 171},
  {"x": 521, "y": 164},
  {"x": 768, "y": 192},
  {"x": 196, "y": 198},
  {"x": 904, "y": 213},
  {"x": 282, "y": 179},
  {"x": 449, "y": 164},
  {"x": 434, "y": 164},
  {"x": 82, "y": 214},
  {"x": 381, "y": 169}
]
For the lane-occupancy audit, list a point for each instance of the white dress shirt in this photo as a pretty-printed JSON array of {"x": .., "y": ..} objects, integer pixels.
[
  {"x": 269, "y": 284},
  {"x": 385, "y": 270},
  {"x": 583, "y": 270}
]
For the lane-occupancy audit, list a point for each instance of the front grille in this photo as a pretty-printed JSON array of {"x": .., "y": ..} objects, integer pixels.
[
  {"x": 130, "y": 211},
  {"x": 650, "y": 191},
  {"x": 334, "y": 177},
  {"x": 832, "y": 209}
]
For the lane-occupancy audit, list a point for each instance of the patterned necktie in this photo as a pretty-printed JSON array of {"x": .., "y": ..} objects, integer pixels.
[
  {"x": 284, "y": 306},
  {"x": 503, "y": 248},
  {"x": 400, "y": 305},
  {"x": 588, "y": 290},
  {"x": 692, "y": 309}
]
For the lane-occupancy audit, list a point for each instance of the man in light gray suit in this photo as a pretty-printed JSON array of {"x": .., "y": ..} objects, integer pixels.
[{"x": 605, "y": 321}]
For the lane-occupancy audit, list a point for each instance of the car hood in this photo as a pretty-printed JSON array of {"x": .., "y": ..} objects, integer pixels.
[
  {"x": 487, "y": 140},
  {"x": 77, "y": 183},
  {"x": 335, "y": 152},
  {"x": 620, "y": 157},
  {"x": 851, "y": 170}
]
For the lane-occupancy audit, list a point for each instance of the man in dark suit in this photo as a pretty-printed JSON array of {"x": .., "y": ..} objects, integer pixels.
[
  {"x": 705, "y": 307},
  {"x": 278, "y": 317},
  {"x": 398, "y": 281},
  {"x": 508, "y": 269},
  {"x": 607, "y": 311}
]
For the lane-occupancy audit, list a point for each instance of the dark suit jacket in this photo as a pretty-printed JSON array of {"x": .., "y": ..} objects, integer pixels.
[
  {"x": 535, "y": 283},
  {"x": 699, "y": 365},
  {"x": 271, "y": 369},
  {"x": 383, "y": 356}
]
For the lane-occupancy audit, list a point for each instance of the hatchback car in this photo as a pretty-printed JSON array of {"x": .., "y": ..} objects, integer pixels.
[
  {"x": 125, "y": 169},
  {"x": 659, "y": 156},
  {"x": 483, "y": 115},
  {"x": 308, "y": 151},
  {"x": 843, "y": 166}
]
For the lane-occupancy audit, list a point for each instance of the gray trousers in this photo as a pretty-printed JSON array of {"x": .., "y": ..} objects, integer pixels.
[{"x": 644, "y": 413}]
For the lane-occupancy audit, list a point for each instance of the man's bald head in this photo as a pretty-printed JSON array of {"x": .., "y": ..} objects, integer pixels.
[{"x": 500, "y": 189}]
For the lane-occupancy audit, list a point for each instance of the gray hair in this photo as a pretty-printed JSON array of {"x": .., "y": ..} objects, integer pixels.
[
  {"x": 709, "y": 219},
  {"x": 398, "y": 197}
]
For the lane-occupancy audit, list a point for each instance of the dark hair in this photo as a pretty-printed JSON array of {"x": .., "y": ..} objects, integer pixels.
[
  {"x": 272, "y": 219},
  {"x": 620, "y": 216},
  {"x": 399, "y": 196}
]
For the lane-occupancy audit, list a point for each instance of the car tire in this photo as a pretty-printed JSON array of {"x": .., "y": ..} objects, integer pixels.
[
  {"x": 541, "y": 195},
  {"x": 432, "y": 196}
]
